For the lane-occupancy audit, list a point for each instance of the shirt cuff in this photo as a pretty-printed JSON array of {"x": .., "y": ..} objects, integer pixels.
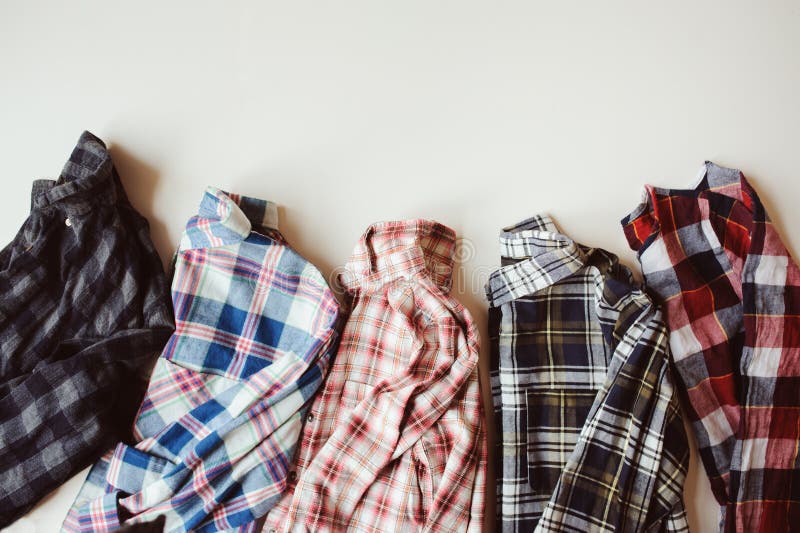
[
  {"x": 99, "y": 515},
  {"x": 129, "y": 468}
]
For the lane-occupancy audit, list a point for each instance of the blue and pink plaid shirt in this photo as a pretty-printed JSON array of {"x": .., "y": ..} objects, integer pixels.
[{"x": 255, "y": 333}]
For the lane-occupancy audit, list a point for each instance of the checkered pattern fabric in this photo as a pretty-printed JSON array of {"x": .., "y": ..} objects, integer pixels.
[
  {"x": 255, "y": 331},
  {"x": 395, "y": 441},
  {"x": 84, "y": 312},
  {"x": 729, "y": 286},
  {"x": 588, "y": 428}
]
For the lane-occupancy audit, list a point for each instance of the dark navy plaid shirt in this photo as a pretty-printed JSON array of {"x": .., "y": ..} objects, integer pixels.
[
  {"x": 84, "y": 312},
  {"x": 589, "y": 433}
]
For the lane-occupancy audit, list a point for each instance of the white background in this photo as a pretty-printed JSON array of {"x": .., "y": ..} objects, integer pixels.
[{"x": 477, "y": 114}]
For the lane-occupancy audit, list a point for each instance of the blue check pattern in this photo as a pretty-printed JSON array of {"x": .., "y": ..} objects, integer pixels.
[{"x": 256, "y": 327}]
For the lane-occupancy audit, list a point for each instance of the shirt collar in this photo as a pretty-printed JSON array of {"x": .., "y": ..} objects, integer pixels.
[
  {"x": 643, "y": 225},
  {"x": 534, "y": 256},
  {"x": 404, "y": 249},
  {"x": 87, "y": 178},
  {"x": 225, "y": 218}
]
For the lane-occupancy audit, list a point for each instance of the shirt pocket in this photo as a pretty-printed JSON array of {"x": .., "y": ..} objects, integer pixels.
[
  {"x": 352, "y": 394},
  {"x": 554, "y": 422},
  {"x": 173, "y": 392}
]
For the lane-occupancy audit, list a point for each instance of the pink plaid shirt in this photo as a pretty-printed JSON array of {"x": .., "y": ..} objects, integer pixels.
[{"x": 396, "y": 439}]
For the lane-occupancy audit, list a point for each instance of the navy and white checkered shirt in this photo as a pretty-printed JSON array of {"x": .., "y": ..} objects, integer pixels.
[{"x": 589, "y": 432}]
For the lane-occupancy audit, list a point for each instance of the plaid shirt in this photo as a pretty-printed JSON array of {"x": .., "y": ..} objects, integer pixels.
[
  {"x": 589, "y": 432},
  {"x": 395, "y": 441},
  {"x": 729, "y": 285},
  {"x": 255, "y": 330},
  {"x": 84, "y": 312}
]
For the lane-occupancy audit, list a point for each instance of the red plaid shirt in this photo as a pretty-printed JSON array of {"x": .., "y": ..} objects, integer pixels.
[
  {"x": 732, "y": 301},
  {"x": 396, "y": 439}
]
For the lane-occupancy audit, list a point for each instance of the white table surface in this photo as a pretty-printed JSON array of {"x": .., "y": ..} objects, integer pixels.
[{"x": 477, "y": 114}]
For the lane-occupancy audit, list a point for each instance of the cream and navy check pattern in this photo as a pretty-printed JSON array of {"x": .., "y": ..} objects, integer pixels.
[
  {"x": 255, "y": 331},
  {"x": 588, "y": 428}
]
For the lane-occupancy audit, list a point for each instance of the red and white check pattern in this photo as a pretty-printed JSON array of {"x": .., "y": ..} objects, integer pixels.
[
  {"x": 396, "y": 439},
  {"x": 731, "y": 294}
]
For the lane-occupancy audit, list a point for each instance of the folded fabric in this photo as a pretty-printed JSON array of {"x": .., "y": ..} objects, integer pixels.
[
  {"x": 84, "y": 312},
  {"x": 588, "y": 428},
  {"x": 255, "y": 331},
  {"x": 732, "y": 301},
  {"x": 395, "y": 441}
]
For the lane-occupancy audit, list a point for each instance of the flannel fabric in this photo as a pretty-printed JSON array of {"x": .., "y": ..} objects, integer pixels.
[
  {"x": 84, "y": 312},
  {"x": 395, "y": 441},
  {"x": 732, "y": 301},
  {"x": 589, "y": 431},
  {"x": 256, "y": 325}
]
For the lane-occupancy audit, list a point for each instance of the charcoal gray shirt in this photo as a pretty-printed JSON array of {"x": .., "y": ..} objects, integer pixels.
[{"x": 84, "y": 312}]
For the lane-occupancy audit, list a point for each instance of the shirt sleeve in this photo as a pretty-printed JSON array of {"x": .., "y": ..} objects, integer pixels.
[
  {"x": 453, "y": 469},
  {"x": 674, "y": 461},
  {"x": 209, "y": 450},
  {"x": 633, "y": 438}
]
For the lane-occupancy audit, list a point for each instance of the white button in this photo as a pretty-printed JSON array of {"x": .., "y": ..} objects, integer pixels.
[
  {"x": 68, "y": 222},
  {"x": 310, "y": 417}
]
